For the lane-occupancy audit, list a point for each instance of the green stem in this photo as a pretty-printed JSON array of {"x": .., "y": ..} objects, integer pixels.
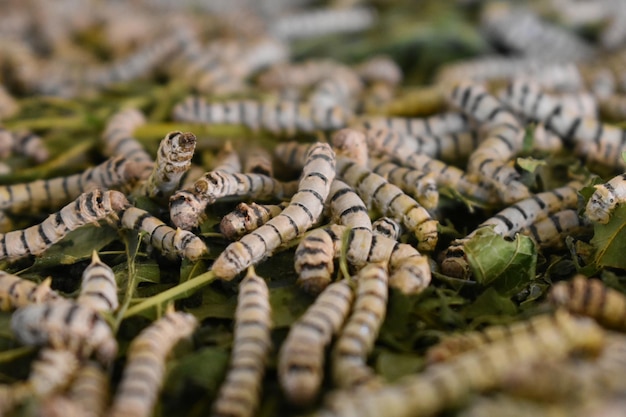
[
  {"x": 156, "y": 131},
  {"x": 45, "y": 123}
]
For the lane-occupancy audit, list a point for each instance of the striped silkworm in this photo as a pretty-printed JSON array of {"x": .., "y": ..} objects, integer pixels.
[
  {"x": 65, "y": 324},
  {"x": 440, "y": 124},
  {"x": 52, "y": 371},
  {"x": 239, "y": 394},
  {"x": 26, "y": 143},
  {"x": 339, "y": 89},
  {"x": 357, "y": 337},
  {"x": 446, "y": 384},
  {"x": 169, "y": 241},
  {"x": 304, "y": 209},
  {"x": 346, "y": 207},
  {"x": 173, "y": 160},
  {"x": 248, "y": 217},
  {"x": 98, "y": 288},
  {"x": 32, "y": 197},
  {"x": 591, "y": 297},
  {"x": 118, "y": 136},
  {"x": 258, "y": 161},
  {"x": 551, "y": 231},
  {"x": 16, "y": 292},
  {"x": 418, "y": 184},
  {"x": 387, "y": 227},
  {"x": 145, "y": 364},
  {"x": 227, "y": 159},
  {"x": 187, "y": 206},
  {"x": 605, "y": 198},
  {"x": 88, "y": 208},
  {"x": 281, "y": 116},
  {"x": 313, "y": 260},
  {"x": 511, "y": 220},
  {"x": 391, "y": 201},
  {"x": 301, "y": 356}
]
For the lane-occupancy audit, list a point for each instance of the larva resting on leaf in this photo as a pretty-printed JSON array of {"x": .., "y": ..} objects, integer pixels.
[
  {"x": 304, "y": 209},
  {"x": 301, "y": 356},
  {"x": 98, "y": 288}
]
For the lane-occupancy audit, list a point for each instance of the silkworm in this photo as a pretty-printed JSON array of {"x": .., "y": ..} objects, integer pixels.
[
  {"x": 590, "y": 297},
  {"x": 258, "y": 161},
  {"x": 239, "y": 394},
  {"x": 380, "y": 68},
  {"x": 551, "y": 231},
  {"x": 65, "y": 324},
  {"x": 391, "y": 201},
  {"x": 301, "y": 356},
  {"x": 145, "y": 364},
  {"x": 387, "y": 227},
  {"x": 88, "y": 208},
  {"x": 248, "y": 217},
  {"x": 605, "y": 198},
  {"x": 275, "y": 116},
  {"x": 511, "y": 220},
  {"x": 445, "y": 384},
  {"x": 98, "y": 288},
  {"x": 32, "y": 197},
  {"x": 418, "y": 184},
  {"x": 227, "y": 160},
  {"x": 346, "y": 207},
  {"x": 16, "y": 292},
  {"x": 339, "y": 89},
  {"x": 313, "y": 260},
  {"x": 187, "y": 206},
  {"x": 170, "y": 242},
  {"x": 173, "y": 160},
  {"x": 52, "y": 371},
  {"x": 304, "y": 209},
  {"x": 30, "y": 145},
  {"x": 356, "y": 340},
  {"x": 439, "y": 124}
]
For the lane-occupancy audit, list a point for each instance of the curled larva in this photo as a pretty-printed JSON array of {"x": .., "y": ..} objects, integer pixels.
[
  {"x": 357, "y": 337},
  {"x": 304, "y": 209},
  {"x": 145, "y": 364},
  {"x": 16, "y": 292},
  {"x": 98, "y": 289},
  {"x": 65, "y": 324},
  {"x": 301, "y": 356},
  {"x": 87, "y": 209},
  {"x": 239, "y": 394}
]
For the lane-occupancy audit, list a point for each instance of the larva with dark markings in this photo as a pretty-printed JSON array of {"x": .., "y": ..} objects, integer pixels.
[
  {"x": 258, "y": 161},
  {"x": 304, "y": 209},
  {"x": 248, "y": 217},
  {"x": 418, "y": 184},
  {"x": 29, "y": 145},
  {"x": 340, "y": 89},
  {"x": 282, "y": 116},
  {"x": 551, "y": 231},
  {"x": 32, "y": 197},
  {"x": 88, "y": 208},
  {"x": 356, "y": 340},
  {"x": 605, "y": 198},
  {"x": 98, "y": 288},
  {"x": 65, "y": 324},
  {"x": 511, "y": 220},
  {"x": 301, "y": 356},
  {"x": 446, "y": 384},
  {"x": 350, "y": 143},
  {"x": 187, "y": 206},
  {"x": 52, "y": 371},
  {"x": 313, "y": 260},
  {"x": 391, "y": 201},
  {"x": 170, "y": 242},
  {"x": 16, "y": 292},
  {"x": 388, "y": 227},
  {"x": 590, "y": 297},
  {"x": 173, "y": 160},
  {"x": 440, "y": 124},
  {"x": 346, "y": 207},
  {"x": 145, "y": 364},
  {"x": 227, "y": 160},
  {"x": 239, "y": 394},
  {"x": 118, "y": 136}
]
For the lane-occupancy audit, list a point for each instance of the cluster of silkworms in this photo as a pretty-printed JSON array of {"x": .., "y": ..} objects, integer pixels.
[{"x": 334, "y": 167}]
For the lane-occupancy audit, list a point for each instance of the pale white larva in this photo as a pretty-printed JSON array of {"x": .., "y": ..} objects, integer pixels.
[
  {"x": 304, "y": 209},
  {"x": 88, "y": 208},
  {"x": 187, "y": 206},
  {"x": 145, "y": 364},
  {"x": 258, "y": 161},
  {"x": 118, "y": 136},
  {"x": 551, "y": 231},
  {"x": 605, "y": 198},
  {"x": 301, "y": 356},
  {"x": 439, "y": 124},
  {"x": 65, "y": 324},
  {"x": 239, "y": 394},
  {"x": 173, "y": 160},
  {"x": 511, "y": 220},
  {"x": 391, "y": 201},
  {"x": 445, "y": 384},
  {"x": 52, "y": 371},
  {"x": 98, "y": 289},
  {"x": 31, "y": 197},
  {"x": 350, "y": 143},
  {"x": 170, "y": 242},
  {"x": 357, "y": 337},
  {"x": 339, "y": 89},
  {"x": 248, "y": 217},
  {"x": 301, "y": 75},
  {"x": 16, "y": 292}
]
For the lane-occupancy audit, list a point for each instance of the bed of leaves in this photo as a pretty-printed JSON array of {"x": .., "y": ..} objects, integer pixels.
[{"x": 512, "y": 276}]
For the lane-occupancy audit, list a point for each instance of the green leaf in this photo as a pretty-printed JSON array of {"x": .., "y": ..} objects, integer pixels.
[
  {"x": 393, "y": 366},
  {"x": 530, "y": 164},
  {"x": 489, "y": 304},
  {"x": 529, "y": 138},
  {"x": 609, "y": 240},
  {"x": 494, "y": 260}
]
